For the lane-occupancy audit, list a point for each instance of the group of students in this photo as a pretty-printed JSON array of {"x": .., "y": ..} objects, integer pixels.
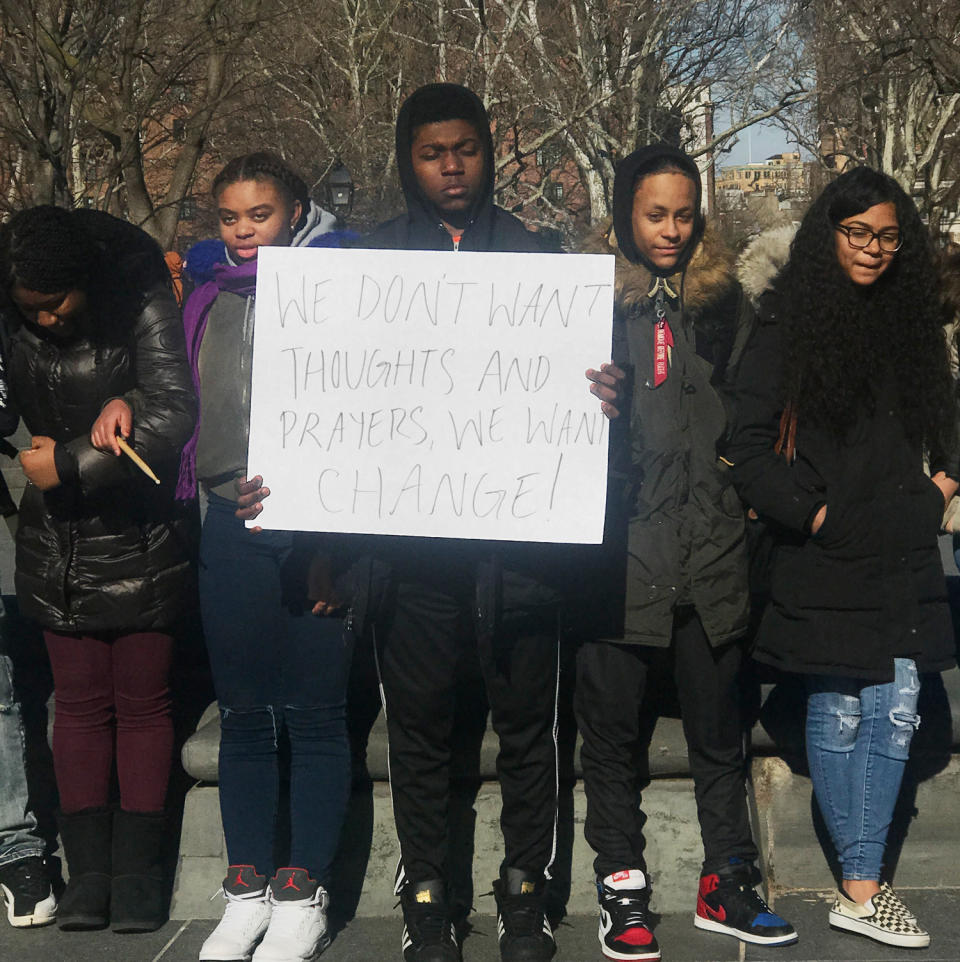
[{"x": 814, "y": 408}]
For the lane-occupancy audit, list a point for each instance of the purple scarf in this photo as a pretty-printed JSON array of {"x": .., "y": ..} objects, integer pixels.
[{"x": 242, "y": 280}]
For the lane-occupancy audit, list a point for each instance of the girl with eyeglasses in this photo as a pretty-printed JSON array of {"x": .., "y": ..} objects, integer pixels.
[{"x": 849, "y": 361}]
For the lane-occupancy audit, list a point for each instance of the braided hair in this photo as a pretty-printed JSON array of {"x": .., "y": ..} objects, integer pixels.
[{"x": 262, "y": 165}]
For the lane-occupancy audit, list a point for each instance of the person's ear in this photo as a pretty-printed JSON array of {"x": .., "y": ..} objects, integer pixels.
[{"x": 295, "y": 214}]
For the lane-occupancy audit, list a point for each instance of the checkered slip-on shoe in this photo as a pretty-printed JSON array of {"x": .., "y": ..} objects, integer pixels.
[{"x": 883, "y": 918}]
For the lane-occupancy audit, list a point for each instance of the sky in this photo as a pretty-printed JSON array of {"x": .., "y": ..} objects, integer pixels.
[{"x": 756, "y": 144}]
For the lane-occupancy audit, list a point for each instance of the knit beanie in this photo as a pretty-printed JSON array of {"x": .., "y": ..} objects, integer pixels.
[{"x": 49, "y": 251}]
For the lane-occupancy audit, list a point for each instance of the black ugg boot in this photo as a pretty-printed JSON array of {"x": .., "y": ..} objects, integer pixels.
[
  {"x": 86, "y": 844},
  {"x": 137, "y": 896}
]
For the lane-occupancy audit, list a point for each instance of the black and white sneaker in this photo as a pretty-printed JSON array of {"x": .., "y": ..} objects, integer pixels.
[
  {"x": 883, "y": 918},
  {"x": 523, "y": 930},
  {"x": 428, "y": 931},
  {"x": 727, "y": 902},
  {"x": 625, "y": 931},
  {"x": 26, "y": 891}
]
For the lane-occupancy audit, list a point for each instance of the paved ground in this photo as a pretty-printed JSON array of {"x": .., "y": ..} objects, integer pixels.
[{"x": 377, "y": 940}]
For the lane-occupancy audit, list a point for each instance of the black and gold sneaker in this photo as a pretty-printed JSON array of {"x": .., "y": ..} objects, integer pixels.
[
  {"x": 523, "y": 930},
  {"x": 428, "y": 931}
]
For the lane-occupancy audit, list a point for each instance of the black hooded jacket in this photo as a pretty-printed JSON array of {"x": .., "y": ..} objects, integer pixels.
[
  {"x": 507, "y": 575},
  {"x": 488, "y": 227},
  {"x": 672, "y": 511},
  {"x": 107, "y": 550}
]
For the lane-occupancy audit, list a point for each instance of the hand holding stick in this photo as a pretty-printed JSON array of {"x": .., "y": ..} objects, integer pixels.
[{"x": 136, "y": 459}]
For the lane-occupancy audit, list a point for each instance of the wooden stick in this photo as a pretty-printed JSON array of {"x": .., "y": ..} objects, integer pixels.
[{"x": 136, "y": 459}]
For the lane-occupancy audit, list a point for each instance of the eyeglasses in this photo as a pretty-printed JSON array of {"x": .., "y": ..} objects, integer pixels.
[{"x": 859, "y": 238}]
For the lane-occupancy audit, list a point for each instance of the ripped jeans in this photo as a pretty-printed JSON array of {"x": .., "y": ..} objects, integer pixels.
[
  {"x": 858, "y": 740},
  {"x": 280, "y": 675}
]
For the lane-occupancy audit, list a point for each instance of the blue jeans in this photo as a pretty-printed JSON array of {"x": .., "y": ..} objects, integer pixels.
[
  {"x": 279, "y": 673},
  {"x": 858, "y": 740},
  {"x": 18, "y": 826}
]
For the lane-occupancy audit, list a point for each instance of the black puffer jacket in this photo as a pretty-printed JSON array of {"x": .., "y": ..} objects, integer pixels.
[
  {"x": 869, "y": 586},
  {"x": 111, "y": 550}
]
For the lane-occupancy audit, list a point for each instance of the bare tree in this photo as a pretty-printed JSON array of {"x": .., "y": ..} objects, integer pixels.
[
  {"x": 888, "y": 94},
  {"x": 110, "y": 101}
]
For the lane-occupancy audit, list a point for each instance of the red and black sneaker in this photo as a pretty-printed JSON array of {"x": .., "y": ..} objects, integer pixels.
[
  {"x": 624, "y": 927},
  {"x": 727, "y": 902}
]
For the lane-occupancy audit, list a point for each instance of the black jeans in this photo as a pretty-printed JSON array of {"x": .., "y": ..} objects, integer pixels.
[
  {"x": 421, "y": 645},
  {"x": 279, "y": 671},
  {"x": 611, "y": 685}
]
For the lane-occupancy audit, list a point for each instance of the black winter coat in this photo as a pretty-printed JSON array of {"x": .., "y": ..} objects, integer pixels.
[
  {"x": 111, "y": 551},
  {"x": 869, "y": 586},
  {"x": 504, "y": 575},
  {"x": 670, "y": 492}
]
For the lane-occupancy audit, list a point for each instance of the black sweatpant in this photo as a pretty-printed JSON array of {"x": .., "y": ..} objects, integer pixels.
[
  {"x": 611, "y": 685},
  {"x": 421, "y": 644}
]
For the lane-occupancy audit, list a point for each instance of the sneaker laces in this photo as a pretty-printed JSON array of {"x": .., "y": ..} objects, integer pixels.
[
  {"x": 752, "y": 899},
  {"x": 425, "y": 924},
  {"x": 637, "y": 907},
  {"x": 522, "y": 915}
]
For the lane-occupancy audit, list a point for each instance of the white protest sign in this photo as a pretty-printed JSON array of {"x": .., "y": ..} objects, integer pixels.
[{"x": 431, "y": 393}]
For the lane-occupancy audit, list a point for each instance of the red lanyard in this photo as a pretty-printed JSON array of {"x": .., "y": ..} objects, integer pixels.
[{"x": 663, "y": 344}]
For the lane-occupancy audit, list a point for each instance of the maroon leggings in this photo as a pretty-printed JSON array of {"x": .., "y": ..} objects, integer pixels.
[{"x": 111, "y": 687}]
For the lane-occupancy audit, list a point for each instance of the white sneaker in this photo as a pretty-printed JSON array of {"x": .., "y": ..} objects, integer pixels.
[
  {"x": 883, "y": 918},
  {"x": 245, "y": 918},
  {"x": 298, "y": 925}
]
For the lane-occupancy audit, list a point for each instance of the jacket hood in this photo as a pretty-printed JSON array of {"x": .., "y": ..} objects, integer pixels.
[
  {"x": 629, "y": 169},
  {"x": 432, "y": 104},
  {"x": 319, "y": 230},
  {"x": 763, "y": 259},
  {"x": 707, "y": 279}
]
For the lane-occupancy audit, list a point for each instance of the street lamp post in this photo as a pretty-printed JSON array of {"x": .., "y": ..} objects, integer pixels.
[{"x": 339, "y": 189}]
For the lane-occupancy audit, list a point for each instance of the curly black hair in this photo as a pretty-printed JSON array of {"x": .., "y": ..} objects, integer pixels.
[
  {"x": 843, "y": 340},
  {"x": 263, "y": 165}
]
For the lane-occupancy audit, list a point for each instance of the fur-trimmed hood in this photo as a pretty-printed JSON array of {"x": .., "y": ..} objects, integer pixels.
[
  {"x": 763, "y": 259},
  {"x": 708, "y": 278}
]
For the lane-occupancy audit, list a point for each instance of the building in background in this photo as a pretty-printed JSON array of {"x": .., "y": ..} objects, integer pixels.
[{"x": 785, "y": 175}]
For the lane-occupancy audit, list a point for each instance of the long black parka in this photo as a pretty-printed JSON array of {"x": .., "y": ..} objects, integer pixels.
[
  {"x": 108, "y": 550},
  {"x": 671, "y": 493},
  {"x": 869, "y": 586}
]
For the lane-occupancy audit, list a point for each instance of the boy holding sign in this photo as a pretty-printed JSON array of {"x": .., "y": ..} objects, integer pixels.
[
  {"x": 445, "y": 161},
  {"x": 435, "y": 601},
  {"x": 679, "y": 326}
]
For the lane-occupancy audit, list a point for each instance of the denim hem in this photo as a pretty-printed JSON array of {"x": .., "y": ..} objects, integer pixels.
[{"x": 21, "y": 852}]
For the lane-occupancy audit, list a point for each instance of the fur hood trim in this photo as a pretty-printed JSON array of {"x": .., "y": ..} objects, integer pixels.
[
  {"x": 708, "y": 277},
  {"x": 763, "y": 259}
]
